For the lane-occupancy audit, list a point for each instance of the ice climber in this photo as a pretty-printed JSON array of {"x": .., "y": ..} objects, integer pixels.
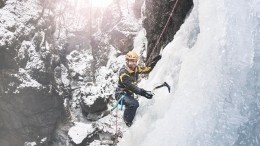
[{"x": 128, "y": 77}]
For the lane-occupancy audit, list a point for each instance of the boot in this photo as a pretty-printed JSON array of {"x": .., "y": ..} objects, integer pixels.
[{"x": 128, "y": 124}]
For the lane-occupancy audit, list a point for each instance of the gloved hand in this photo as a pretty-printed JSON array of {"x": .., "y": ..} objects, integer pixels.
[
  {"x": 146, "y": 94},
  {"x": 155, "y": 60}
]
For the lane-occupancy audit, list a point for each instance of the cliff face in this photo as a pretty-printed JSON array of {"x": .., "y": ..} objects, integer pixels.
[
  {"x": 49, "y": 52},
  {"x": 156, "y": 14},
  {"x": 30, "y": 106}
]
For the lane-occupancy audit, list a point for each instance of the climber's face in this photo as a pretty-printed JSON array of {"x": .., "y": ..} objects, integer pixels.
[{"x": 131, "y": 64}]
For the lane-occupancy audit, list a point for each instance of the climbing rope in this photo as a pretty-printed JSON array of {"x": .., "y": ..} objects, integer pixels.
[
  {"x": 116, "y": 134},
  {"x": 120, "y": 101},
  {"x": 157, "y": 42}
]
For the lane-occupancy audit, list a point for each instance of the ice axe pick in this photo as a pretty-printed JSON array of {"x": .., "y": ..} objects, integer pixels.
[{"x": 162, "y": 85}]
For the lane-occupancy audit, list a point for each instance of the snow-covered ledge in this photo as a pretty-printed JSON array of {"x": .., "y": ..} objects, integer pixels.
[{"x": 81, "y": 131}]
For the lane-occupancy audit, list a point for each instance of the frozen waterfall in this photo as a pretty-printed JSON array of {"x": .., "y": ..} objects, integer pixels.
[{"x": 213, "y": 66}]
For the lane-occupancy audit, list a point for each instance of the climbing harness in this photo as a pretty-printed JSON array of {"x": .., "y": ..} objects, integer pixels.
[{"x": 120, "y": 101}]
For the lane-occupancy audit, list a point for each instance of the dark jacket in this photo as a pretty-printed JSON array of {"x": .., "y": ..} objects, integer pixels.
[{"x": 128, "y": 79}]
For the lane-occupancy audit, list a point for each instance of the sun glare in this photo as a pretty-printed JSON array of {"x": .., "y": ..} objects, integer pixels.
[{"x": 101, "y": 3}]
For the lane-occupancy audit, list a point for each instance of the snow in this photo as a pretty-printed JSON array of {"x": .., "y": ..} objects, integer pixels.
[
  {"x": 7, "y": 36},
  {"x": 30, "y": 144},
  {"x": 64, "y": 76},
  {"x": 209, "y": 65},
  {"x": 8, "y": 19},
  {"x": 43, "y": 139},
  {"x": 90, "y": 99},
  {"x": 35, "y": 61},
  {"x": 95, "y": 143},
  {"x": 140, "y": 42},
  {"x": 114, "y": 63},
  {"x": 16, "y": 13},
  {"x": 80, "y": 61},
  {"x": 128, "y": 23},
  {"x": 80, "y": 131},
  {"x": 27, "y": 80}
]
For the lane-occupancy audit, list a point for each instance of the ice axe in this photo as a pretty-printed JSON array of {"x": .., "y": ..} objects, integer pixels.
[{"x": 162, "y": 85}]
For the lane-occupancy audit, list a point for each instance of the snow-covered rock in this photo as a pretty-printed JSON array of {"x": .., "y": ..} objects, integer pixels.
[
  {"x": 93, "y": 104},
  {"x": 27, "y": 91},
  {"x": 81, "y": 132},
  {"x": 80, "y": 64}
]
